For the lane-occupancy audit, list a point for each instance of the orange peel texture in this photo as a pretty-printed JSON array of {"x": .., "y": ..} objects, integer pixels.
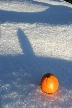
[{"x": 49, "y": 83}]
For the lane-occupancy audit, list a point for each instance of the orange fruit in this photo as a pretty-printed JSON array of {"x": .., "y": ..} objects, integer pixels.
[{"x": 49, "y": 83}]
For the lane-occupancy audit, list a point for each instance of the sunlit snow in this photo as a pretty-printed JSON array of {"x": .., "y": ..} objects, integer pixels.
[{"x": 35, "y": 38}]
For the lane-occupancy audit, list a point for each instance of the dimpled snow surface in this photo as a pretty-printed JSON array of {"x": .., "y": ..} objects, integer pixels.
[{"x": 35, "y": 39}]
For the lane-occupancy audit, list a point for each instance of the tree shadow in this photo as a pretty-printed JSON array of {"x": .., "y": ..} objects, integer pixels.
[
  {"x": 55, "y": 14},
  {"x": 19, "y": 72}
]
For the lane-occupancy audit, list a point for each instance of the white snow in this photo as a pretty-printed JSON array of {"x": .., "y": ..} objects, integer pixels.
[
  {"x": 22, "y": 6},
  {"x": 35, "y": 38}
]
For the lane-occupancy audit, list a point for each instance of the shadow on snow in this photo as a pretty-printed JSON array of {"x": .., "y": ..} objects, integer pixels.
[
  {"x": 32, "y": 66},
  {"x": 55, "y": 14},
  {"x": 19, "y": 71}
]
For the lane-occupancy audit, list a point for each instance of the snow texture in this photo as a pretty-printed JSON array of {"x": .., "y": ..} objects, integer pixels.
[{"x": 35, "y": 38}]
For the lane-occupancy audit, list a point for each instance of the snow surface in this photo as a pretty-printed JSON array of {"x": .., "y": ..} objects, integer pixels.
[{"x": 35, "y": 38}]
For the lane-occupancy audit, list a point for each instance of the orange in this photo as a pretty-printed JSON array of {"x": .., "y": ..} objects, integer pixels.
[{"x": 49, "y": 83}]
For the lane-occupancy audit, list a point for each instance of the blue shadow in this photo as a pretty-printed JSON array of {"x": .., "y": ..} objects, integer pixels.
[
  {"x": 21, "y": 70},
  {"x": 34, "y": 66},
  {"x": 55, "y": 15}
]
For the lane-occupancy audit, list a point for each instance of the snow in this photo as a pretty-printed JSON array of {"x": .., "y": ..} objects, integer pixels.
[{"x": 35, "y": 38}]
